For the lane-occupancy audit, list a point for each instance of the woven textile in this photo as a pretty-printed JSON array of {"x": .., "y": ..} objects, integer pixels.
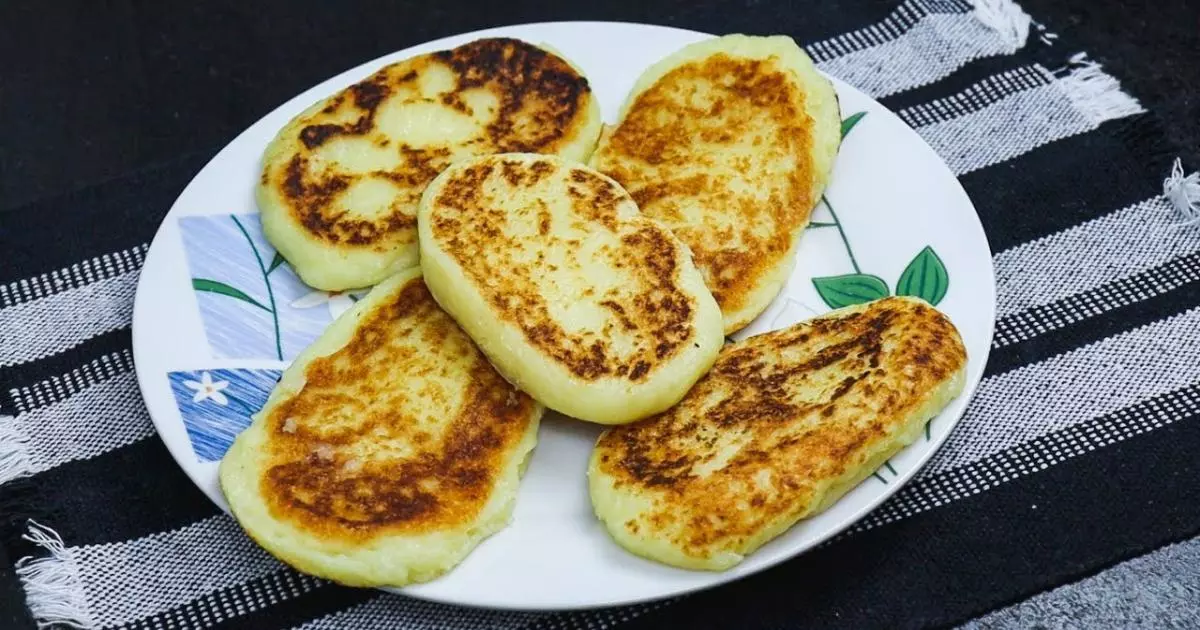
[{"x": 1095, "y": 365}]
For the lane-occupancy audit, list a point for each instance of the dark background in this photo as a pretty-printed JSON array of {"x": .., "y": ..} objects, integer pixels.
[{"x": 92, "y": 91}]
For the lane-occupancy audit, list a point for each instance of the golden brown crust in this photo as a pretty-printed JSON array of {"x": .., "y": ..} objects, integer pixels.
[
  {"x": 777, "y": 415},
  {"x": 701, "y": 140},
  {"x": 651, "y": 309},
  {"x": 539, "y": 107},
  {"x": 349, "y": 460}
]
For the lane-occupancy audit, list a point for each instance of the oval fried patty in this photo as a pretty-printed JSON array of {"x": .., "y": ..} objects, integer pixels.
[
  {"x": 340, "y": 183},
  {"x": 730, "y": 143},
  {"x": 592, "y": 308},
  {"x": 783, "y": 425},
  {"x": 389, "y": 449}
]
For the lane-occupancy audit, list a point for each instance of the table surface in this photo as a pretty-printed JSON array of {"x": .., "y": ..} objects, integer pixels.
[
  {"x": 108, "y": 98},
  {"x": 76, "y": 108}
]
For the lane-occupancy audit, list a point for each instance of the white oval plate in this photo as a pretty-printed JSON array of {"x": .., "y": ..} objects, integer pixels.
[{"x": 215, "y": 320}]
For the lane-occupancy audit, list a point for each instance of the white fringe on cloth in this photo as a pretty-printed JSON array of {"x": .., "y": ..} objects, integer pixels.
[
  {"x": 1006, "y": 18},
  {"x": 14, "y": 450},
  {"x": 1095, "y": 94},
  {"x": 53, "y": 586},
  {"x": 1183, "y": 193}
]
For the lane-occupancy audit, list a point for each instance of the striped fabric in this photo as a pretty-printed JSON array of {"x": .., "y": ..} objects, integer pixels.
[{"x": 1096, "y": 289}]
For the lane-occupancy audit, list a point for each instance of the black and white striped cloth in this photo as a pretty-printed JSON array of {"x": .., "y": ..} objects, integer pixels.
[{"x": 1068, "y": 458}]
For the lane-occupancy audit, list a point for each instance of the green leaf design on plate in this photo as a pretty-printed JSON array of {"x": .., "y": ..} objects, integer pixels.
[
  {"x": 925, "y": 277},
  {"x": 212, "y": 286},
  {"x": 275, "y": 262},
  {"x": 879, "y": 472},
  {"x": 851, "y": 121},
  {"x": 850, "y": 289}
]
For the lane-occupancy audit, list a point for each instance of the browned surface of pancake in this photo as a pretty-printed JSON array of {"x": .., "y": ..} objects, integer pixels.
[
  {"x": 650, "y": 310},
  {"x": 779, "y": 415},
  {"x": 700, "y": 136},
  {"x": 348, "y": 458},
  {"x": 539, "y": 102}
]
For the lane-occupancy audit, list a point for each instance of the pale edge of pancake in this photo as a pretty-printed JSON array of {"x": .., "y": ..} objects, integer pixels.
[
  {"x": 333, "y": 268},
  {"x": 386, "y": 560},
  {"x": 614, "y": 506},
  {"x": 319, "y": 264},
  {"x": 589, "y": 135},
  {"x": 821, "y": 104},
  {"x": 603, "y": 401}
]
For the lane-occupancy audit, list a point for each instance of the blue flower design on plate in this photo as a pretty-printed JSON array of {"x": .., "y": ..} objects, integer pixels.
[
  {"x": 251, "y": 302},
  {"x": 216, "y": 405}
]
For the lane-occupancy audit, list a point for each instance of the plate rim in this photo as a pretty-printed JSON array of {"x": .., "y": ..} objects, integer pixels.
[{"x": 973, "y": 380}]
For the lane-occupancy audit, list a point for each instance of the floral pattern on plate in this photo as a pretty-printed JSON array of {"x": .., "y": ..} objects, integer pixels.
[
  {"x": 216, "y": 405},
  {"x": 252, "y": 304}
]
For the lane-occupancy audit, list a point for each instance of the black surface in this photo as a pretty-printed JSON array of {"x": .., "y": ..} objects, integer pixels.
[
  {"x": 90, "y": 92},
  {"x": 1154, "y": 48},
  {"x": 112, "y": 215},
  {"x": 140, "y": 474},
  {"x": 1015, "y": 209},
  {"x": 12, "y": 598}
]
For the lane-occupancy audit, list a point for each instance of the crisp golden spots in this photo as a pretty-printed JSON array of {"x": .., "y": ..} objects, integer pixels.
[
  {"x": 708, "y": 110},
  {"x": 723, "y": 148},
  {"x": 649, "y": 305},
  {"x": 783, "y": 421},
  {"x": 538, "y": 101},
  {"x": 575, "y": 296},
  {"x": 347, "y": 175},
  {"x": 383, "y": 438}
]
